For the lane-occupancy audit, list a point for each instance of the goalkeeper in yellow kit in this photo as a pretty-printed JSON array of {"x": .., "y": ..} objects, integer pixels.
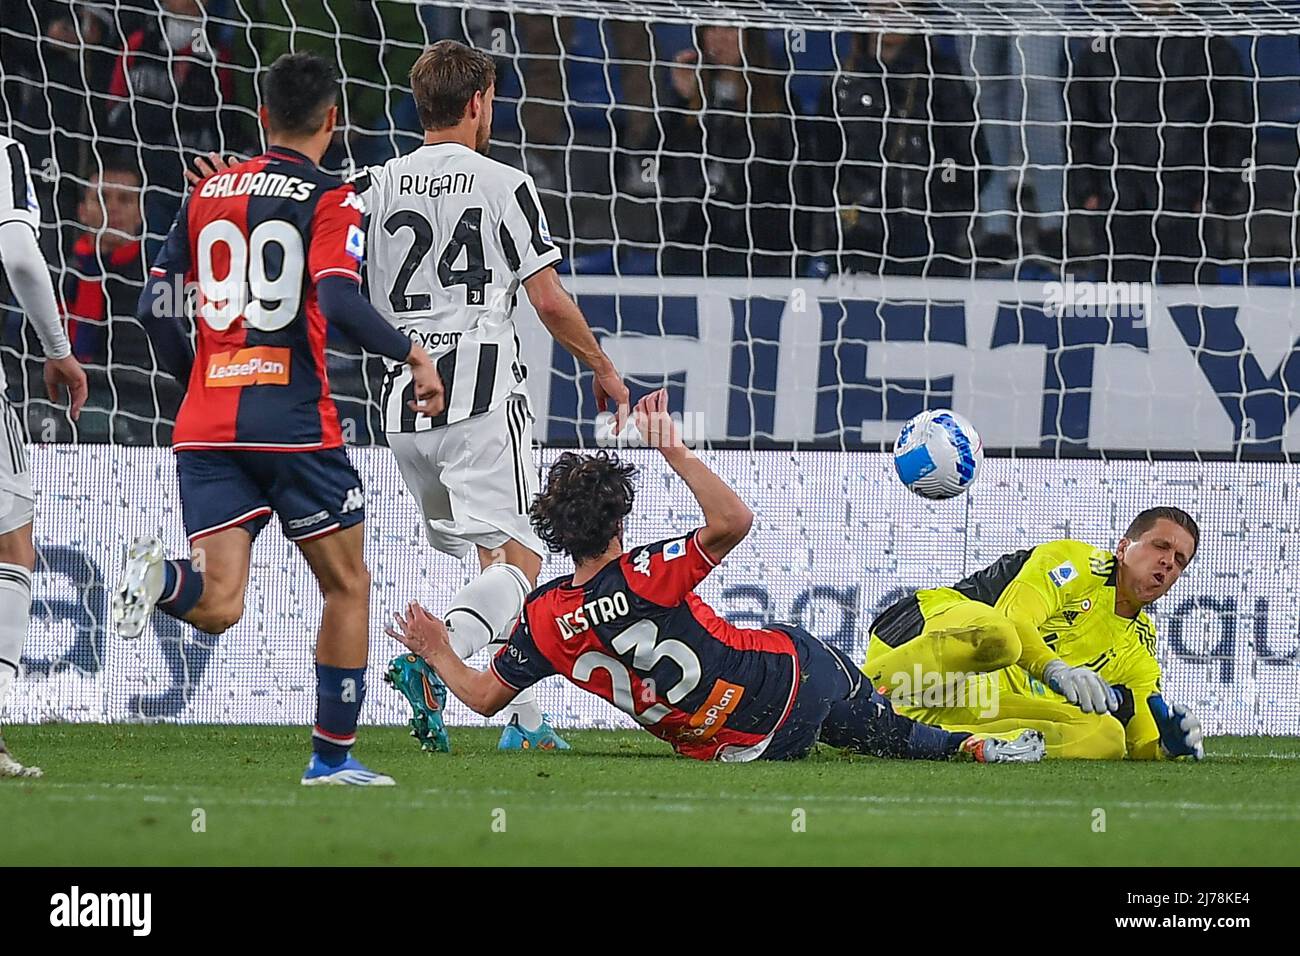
[{"x": 1053, "y": 638}]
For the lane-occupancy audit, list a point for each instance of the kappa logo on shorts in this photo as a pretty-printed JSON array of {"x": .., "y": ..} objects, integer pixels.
[
  {"x": 262, "y": 365},
  {"x": 354, "y": 501},
  {"x": 299, "y": 523}
]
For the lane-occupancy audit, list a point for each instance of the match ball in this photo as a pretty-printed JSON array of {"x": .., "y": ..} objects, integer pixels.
[{"x": 938, "y": 454}]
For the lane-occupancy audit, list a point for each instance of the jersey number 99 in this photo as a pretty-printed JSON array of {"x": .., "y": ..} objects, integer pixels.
[{"x": 267, "y": 304}]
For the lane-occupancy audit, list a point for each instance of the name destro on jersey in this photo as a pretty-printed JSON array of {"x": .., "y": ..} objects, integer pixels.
[{"x": 638, "y": 636}]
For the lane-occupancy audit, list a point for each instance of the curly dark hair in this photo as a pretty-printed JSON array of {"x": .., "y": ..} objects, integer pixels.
[{"x": 584, "y": 503}]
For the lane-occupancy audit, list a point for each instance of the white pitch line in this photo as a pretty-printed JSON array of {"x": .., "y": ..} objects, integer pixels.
[{"x": 952, "y": 805}]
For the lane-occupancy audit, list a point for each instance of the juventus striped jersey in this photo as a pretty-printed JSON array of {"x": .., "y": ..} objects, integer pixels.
[
  {"x": 31, "y": 285},
  {"x": 17, "y": 194},
  {"x": 452, "y": 236}
]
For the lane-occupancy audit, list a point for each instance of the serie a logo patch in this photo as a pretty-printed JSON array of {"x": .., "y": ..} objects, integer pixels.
[
  {"x": 1062, "y": 573},
  {"x": 356, "y": 243}
]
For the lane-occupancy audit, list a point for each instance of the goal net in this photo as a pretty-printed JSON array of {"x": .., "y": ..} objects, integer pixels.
[{"x": 1075, "y": 223}]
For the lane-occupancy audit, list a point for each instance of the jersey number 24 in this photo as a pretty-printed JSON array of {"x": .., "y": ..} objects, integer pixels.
[{"x": 466, "y": 244}]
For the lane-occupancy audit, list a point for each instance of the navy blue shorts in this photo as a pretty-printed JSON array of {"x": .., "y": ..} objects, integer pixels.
[
  {"x": 826, "y": 677},
  {"x": 314, "y": 493}
]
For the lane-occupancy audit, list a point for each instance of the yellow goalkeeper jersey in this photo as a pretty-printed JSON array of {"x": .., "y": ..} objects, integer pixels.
[{"x": 1065, "y": 591}]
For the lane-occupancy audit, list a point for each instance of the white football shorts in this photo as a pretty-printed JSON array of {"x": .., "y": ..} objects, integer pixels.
[
  {"x": 474, "y": 480},
  {"x": 16, "y": 495}
]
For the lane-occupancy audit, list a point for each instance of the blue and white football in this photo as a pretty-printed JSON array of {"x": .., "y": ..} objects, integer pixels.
[{"x": 938, "y": 454}]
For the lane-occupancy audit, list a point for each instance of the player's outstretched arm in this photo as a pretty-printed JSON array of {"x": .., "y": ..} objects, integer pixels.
[
  {"x": 344, "y": 307},
  {"x": 164, "y": 323},
  {"x": 30, "y": 279},
  {"x": 426, "y": 636},
  {"x": 727, "y": 519},
  {"x": 567, "y": 325}
]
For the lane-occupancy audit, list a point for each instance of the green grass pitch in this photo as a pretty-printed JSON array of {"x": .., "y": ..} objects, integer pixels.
[{"x": 129, "y": 795}]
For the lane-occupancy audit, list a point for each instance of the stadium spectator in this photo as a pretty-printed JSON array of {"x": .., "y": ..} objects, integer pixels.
[
  {"x": 58, "y": 57},
  {"x": 544, "y": 126},
  {"x": 105, "y": 272},
  {"x": 1020, "y": 103},
  {"x": 375, "y": 45},
  {"x": 634, "y": 107},
  {"x": 632, "y": 76},
  {"x": 171, "y": 92},
  {"x": 1159, "y": 136},
  {"x": 728, "y": 150},
  {"x": 891, "y": 179}
]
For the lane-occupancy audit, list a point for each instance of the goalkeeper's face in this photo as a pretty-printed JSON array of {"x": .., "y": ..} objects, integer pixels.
[{"x": 1150, "y": 564}]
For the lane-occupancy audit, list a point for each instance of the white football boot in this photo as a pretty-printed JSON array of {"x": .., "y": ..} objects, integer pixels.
[
  {"x": 1029, "y": 747},
  {"x": 9, "y": 767},
  {"x": 140, "y": 586}
]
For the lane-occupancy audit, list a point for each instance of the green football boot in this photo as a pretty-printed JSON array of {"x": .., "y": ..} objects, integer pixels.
[{"x": 427, "y": 695}]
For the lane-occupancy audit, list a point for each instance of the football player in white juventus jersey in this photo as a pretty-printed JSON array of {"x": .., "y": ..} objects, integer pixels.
[
  {"x": 29, "y": 278},
  {"x": 454, "y": 237}
]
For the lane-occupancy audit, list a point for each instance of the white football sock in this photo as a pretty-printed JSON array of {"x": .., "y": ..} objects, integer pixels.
[
  {"x": 482, "y": 613},
  {"x": 15, "y": 613},
  {"x": 524, "y": 706},
  {"x": 484, "y": 610}
]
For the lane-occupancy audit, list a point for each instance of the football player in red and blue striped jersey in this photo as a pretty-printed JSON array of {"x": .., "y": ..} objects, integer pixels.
[
  {"x": 628, "y": 627},
  {"x": 274, "y": 246}
]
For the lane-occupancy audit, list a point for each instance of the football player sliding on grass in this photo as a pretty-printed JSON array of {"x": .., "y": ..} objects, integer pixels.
[
  {"x": 627, "y": 627},
  {"x": 1059, "y": 637}
]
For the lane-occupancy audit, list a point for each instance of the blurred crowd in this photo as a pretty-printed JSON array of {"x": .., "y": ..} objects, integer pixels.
[{"x": 672, "y": 149}]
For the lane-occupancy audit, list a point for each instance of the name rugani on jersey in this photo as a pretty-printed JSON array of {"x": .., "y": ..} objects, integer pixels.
[{"x": 452, "y": 235}]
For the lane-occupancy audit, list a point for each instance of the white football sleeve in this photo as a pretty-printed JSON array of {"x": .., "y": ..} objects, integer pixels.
[
  {"x": 30, "y": 279},
  {"x": 526, "y": 237}
]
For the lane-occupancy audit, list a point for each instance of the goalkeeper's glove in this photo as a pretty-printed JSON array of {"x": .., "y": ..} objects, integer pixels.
[
  {"x": 1082, "y": 687},
  {"x": 1180, "y": 729}
]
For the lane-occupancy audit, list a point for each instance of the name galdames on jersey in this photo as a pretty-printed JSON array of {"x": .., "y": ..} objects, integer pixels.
[
  {"x": 256, "y": 366},
  {"x": 257, "y": 184},
  {"x": 255, "y": 242}
]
